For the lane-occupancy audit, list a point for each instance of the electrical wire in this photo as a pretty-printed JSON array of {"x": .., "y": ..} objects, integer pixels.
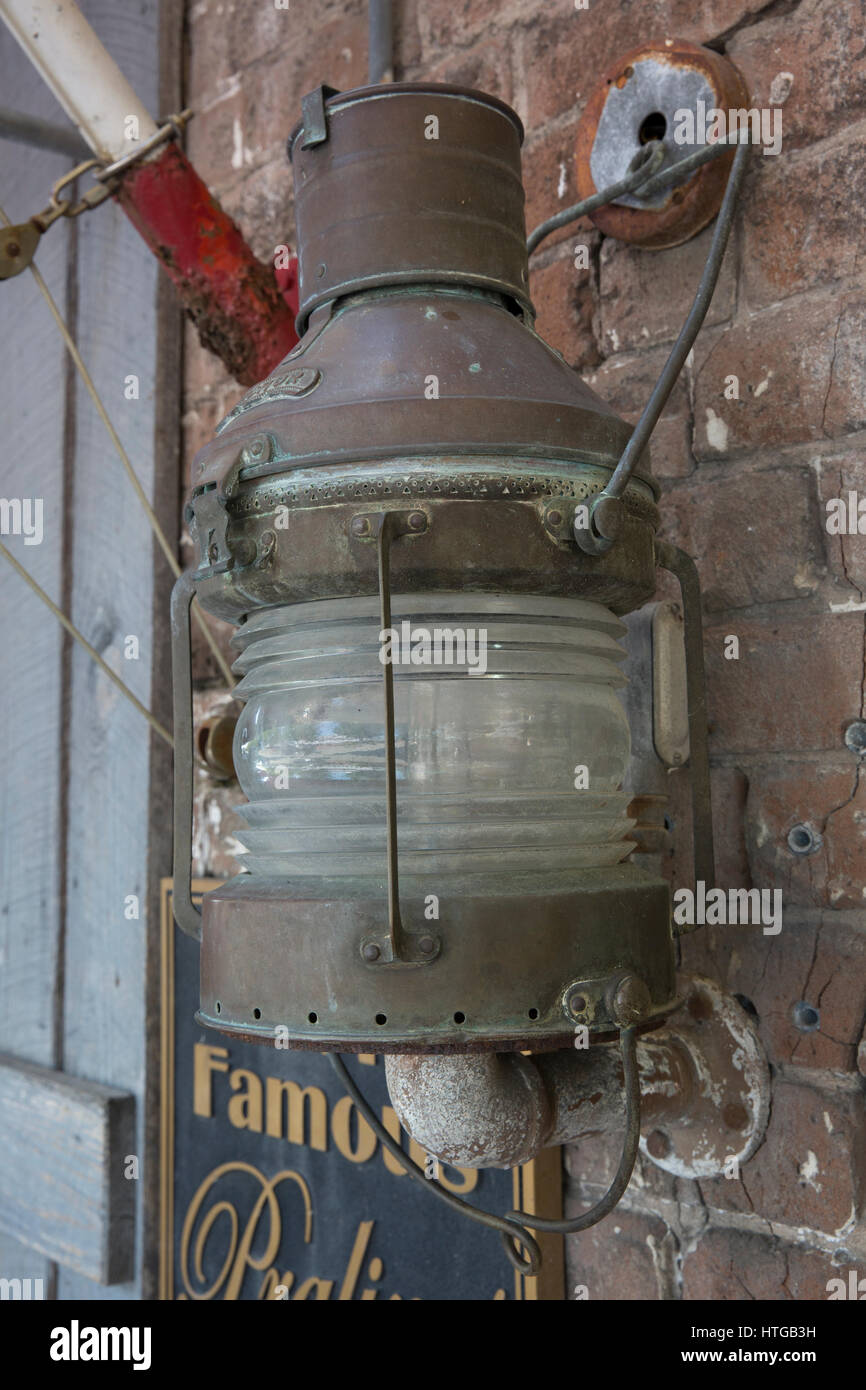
[
  {"x": 123, "y": 456},
  {"x": 511, "y": 1230},
  {"x": 91, "y": 651},
  {"x": 644, "y": 174},
  {"x": 642, "y": 167},
  {"x": 513, "y": 1227}
]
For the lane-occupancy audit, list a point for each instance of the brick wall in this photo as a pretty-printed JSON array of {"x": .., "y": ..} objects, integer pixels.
[{"x": 745, "y": 484}]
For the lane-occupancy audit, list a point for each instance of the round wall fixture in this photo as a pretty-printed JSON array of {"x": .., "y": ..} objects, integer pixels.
[{"x": 668, "y": 91}]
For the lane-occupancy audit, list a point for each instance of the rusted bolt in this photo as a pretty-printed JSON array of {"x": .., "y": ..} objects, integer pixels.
[
  {"x": 576, "y": 1004},
  {"x": 554, "y": 518},
  {"x": 736, "y": 1117},
  {"x": 855, "y": 737},
  {"x": 267, "y": 540},
  {"x": 417, "y": 521},
  {"x": 658, "y": 1144},
  {"x": 360, "y": 526},
  {"x": 427, "y": 945},
  {"x": 629, "y": 1001},
  {"x": 371, "y": 951},
  {"x": 258, "y": 450}
]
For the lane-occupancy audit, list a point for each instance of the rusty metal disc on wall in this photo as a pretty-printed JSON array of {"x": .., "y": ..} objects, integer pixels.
[{"x": 641, "y": 97}]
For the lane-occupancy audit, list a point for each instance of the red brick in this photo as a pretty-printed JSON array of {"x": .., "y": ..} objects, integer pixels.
[
  {"x": 549, "y": 180},
  {"x": 226, "y": 38},
  {"x": 838, "y": 476},
  {"x": 565, "y": 50},
  {"x": 770, "y": 545},
  {"x": 802, "y": 214},
  {"x": 809, "y": 1169},
  {"x": 822, "y": 964},
  {"x": 646, "y": 295},
  {"x": 739, "y": 1266},
  {"x": 485, "y": 67},
  {"x": 645, "y": 1253},
  {"x": 625, "y": 382},
  {"x": 831, "y": 801},
  {"x": 822, "y": 46},
  {"x": 768, "y": 700},
  {"x": 451, "y": 23},
  {"x": 802, "y": 375},
  {"x": 564, "y": 303}
]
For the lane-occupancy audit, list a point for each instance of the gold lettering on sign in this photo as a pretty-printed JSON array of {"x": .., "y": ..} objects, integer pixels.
[
  {"x": 341, "y": 1127},
  {"x": 238, "y": 1242},
  {"x": 221, "y": 1218},
  {"x": 299, "y": 1102}
]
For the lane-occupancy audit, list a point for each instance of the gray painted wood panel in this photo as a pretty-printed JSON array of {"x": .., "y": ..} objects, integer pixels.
[
  {"x": 62, "y": 1183},
  {"x": 32, "y": 408},
  {"x": 78, "y": 762},
  {"x": 112, "y": 587}
]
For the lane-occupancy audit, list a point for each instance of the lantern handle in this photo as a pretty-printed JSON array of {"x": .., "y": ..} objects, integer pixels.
[
  {"x": 685, "y": 571},
  {"x": 186, "y": 914}
]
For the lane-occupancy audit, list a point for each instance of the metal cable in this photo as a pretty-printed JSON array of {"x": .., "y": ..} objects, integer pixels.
[
  {"x": 631, "y": 1141},
  {"x": 515, "y": 1224},
  {"x": 91, "y": 651},
  {"x": 124, "y": 457},
  {"x": 510, "y": 1228},
  {"x": 689, "y": 331},
  {"x": 642, "y": 167},
  {"x": 646, "y": 176}
]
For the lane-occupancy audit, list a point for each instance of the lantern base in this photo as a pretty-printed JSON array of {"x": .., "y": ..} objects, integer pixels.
[{"x": 505, "y": 971}]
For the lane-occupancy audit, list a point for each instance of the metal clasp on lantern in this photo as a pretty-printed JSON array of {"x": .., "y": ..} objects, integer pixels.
[
  {"x": 186, "y": 914},
  {"x": 399, "y": 947}
]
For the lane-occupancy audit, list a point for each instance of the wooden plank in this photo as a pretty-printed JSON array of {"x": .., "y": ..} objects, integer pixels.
[
  {"x": 111, "y": 747},
  {"x": 62, "y": 1185},
  {"x": 33, "y": 387}
]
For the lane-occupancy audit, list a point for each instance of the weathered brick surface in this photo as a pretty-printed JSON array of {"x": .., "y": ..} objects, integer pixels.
[
  {"x": 745, "y": 484},
  {"x": 797, "y": 679},
  {"x": 757, "y": 1267},
  {"x": 801, "y": 368},
  {"x": 821, "y": 963},
  {"x": 645, "y": 296}
]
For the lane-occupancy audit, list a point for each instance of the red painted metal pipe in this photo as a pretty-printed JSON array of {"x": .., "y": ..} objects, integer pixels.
[{"x": 244, "y": 311}]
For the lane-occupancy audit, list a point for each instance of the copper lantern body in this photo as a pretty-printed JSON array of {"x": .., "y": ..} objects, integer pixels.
[{"x": 422, "y": 452}]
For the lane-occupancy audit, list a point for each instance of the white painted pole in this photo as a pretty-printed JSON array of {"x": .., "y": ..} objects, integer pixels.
[{"x": 86, "y": 81}]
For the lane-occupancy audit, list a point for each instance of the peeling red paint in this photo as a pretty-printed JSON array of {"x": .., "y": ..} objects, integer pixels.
[{"x": 244, "y": 311}]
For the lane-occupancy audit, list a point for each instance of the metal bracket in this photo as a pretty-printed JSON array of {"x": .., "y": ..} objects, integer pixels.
[
  {"x": 683, "y": 567},
  {"x": 314, "y": 116}
]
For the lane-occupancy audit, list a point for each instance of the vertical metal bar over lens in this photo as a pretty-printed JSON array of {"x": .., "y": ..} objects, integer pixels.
[{"x": 385, "y": 529}]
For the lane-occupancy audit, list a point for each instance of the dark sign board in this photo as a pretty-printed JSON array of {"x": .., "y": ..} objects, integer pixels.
[{"x": 273, "y": 1187}]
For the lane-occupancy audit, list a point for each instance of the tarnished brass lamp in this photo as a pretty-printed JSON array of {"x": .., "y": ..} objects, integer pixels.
[{"x": 439, "y": 856}]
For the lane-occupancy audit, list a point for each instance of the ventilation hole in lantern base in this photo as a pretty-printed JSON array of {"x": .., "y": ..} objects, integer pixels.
[
  {"x": 381, "y": 1018},
  {"x": 459, "y": 1017},
  {"x": 312, "y": 1018},
  {"x": 533, "y": 1013},
  {"x": 219, "y": 1007},
  {"x": 257, "y": 1013},
  {"x": 745, "y": 1002}
]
